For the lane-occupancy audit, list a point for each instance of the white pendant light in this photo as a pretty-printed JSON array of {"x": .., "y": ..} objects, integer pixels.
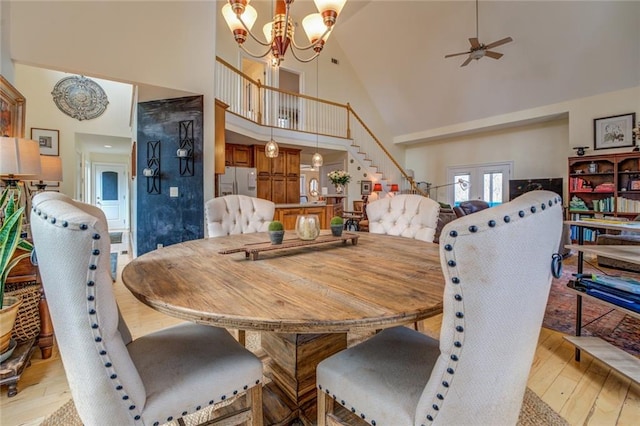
[
  {"x": 271, "y": 149},
  {"x": 317, "y": 160}
]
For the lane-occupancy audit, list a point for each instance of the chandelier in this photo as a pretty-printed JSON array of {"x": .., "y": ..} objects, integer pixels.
[{"x": 240, "y": 17}]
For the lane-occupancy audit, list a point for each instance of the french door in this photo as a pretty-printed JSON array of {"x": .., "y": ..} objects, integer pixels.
[{"x": 488, "y": 182}]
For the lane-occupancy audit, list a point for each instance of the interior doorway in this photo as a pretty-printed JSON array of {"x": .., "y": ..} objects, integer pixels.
[{"x": 110, "y": 194}]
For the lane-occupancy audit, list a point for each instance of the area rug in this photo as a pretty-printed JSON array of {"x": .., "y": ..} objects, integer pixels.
[
  {"x": 534, "y": 412},
  {"x": 115, "y": 237},
  {"x": 600, "y": 320},
  {"x": 114, "y": 265}
]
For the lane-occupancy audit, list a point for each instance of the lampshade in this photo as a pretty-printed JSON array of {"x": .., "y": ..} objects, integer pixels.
[
  {"x": 394, "y": 187},
  {"x": 377, "y": 187},
  {"x": 19, "y": 158},
  {"x": 51, "y": 168}
]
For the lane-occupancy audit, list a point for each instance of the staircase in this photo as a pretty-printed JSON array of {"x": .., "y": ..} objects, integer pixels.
[{"x": 273, "y": 107}]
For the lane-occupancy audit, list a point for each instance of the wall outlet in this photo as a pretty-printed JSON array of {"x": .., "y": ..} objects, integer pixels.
[
  {"x": 159, "y": 245},
  {"x": 173, "y": 191}
]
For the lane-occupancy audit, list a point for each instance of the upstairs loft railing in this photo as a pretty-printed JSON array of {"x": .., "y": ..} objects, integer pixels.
[{"x": 273, "y": 107}]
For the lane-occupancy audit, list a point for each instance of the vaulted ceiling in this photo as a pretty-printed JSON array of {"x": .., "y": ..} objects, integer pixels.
[{"x": 561, "y": 50}]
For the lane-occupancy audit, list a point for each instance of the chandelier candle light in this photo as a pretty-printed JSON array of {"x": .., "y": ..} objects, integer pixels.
[{"x": 279, "y": 33}]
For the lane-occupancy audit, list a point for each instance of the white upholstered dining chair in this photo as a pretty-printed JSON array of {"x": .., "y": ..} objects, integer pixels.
[
  {"x": 497, "y": 266},
  {"x": 405, "y": 215},
  {"x": 238, "y": 214},
  {"x": 114, "y": 379}
]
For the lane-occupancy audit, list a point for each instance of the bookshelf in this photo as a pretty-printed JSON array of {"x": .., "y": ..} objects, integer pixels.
[
  {"x": 612, "y": 356},
  {"x": 603, "y": 187}
]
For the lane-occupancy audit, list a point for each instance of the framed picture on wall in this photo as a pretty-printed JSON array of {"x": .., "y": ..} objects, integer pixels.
[
  {"x": 48, "y": 140},
  {"x": 365, "y": 187},
  {"x": 614, "y": 132},
  {"x": 11, "y": 110}
]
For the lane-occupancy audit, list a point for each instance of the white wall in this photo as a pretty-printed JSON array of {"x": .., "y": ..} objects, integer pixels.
[
  {"x": 537, "y": 150},
  {"x": 36, "y": 84},
  {"x": 164, "y": 43}
]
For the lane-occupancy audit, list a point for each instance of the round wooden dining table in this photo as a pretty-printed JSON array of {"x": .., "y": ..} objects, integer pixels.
[{"x": 304, "y": 297}]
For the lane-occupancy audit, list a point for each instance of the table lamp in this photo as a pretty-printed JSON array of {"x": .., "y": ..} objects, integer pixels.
[
  {"x": 51, "y": 171},
  {"x": 19, "y": 159}
]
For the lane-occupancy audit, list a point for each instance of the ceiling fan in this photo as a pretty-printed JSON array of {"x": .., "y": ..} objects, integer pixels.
[{"x": 478, "y": 50}]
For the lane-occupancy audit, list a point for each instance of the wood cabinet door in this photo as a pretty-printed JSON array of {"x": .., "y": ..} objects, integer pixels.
[
  {"x": 262, "y": 163},
  {"x": 292, "y": 159},
  {"x": 293, "y": 189},
  {"x": 228, "y": 155},
  {"x": 278, "y": 190},
  {"x": 278, "y": 165},
  {"x": 321, "y": 212},
  {"x": 288, "y": 217},
  {"x": 242, "y": 156},
  {"x": 264, "y": 187}
]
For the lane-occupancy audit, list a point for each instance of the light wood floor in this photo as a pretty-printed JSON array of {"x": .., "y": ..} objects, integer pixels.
[{"x": 584, "y": 393}]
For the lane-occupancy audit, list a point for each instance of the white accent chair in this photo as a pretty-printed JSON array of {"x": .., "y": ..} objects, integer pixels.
[
  {"x": 115, "y": 380},
  {"x": 238, "y": 214},
  {"x": 497, "y": 270},
  {"x": 405, "y": 215}
]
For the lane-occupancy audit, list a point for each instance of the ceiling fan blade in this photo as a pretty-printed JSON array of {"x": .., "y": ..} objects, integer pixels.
[
  {"x": 465, "y": 63},
  {"x": 494, "y": 55},
  {"x": 475, "y": 44},
  {"x": 456, "y": 54},
  {"x": 498, "y": 43}
]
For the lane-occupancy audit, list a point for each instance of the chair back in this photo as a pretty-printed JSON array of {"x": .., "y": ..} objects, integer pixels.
[
  {"x": 72, "y": 245},
  {"x": 238, "y": 214},
  {"x": 471, "y": 206},
  {"x": 497, "y": 269},
  {"x": 358, "y": 205},
  {"x": 406, "y": 215}
]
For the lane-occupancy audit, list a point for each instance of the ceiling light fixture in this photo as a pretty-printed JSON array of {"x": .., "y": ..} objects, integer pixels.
[
  {"x": 271, "y": 149},
  {"x": 316, "y": 159},
  {"x": 279, "y": 33}
]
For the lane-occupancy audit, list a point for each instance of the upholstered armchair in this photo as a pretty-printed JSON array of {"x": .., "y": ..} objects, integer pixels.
[
  {"x": 469, "y": 207},
  {"x": 497, "y": 266},
  {"x": 405, "y": 215},
  {"x": 237, "y": 214},
  {"x": 114, "y": 379}
]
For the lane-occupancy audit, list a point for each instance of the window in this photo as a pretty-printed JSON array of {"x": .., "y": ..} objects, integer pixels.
[{"x": 488, "y": 182}]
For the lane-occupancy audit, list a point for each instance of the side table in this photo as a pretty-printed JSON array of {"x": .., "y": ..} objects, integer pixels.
[{"x": 12, "y": 368}]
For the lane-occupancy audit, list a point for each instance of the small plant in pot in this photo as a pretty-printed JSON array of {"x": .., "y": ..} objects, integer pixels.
[
  {"x": 337, "y": 223},
  {"x": 10, "y": 241},
  {"x": 276, "y": 232}
]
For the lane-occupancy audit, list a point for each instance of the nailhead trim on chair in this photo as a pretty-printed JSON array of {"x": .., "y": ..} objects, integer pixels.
[
  {"x": 91, "y": 312},
  {"x": 456, "y": 351}
]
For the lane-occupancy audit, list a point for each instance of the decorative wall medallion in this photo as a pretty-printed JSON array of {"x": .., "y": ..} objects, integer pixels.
[{"x": 80, "y": 97}]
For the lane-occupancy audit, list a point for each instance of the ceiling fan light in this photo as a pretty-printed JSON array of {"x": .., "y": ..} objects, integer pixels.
[{"x": 317, "y": 160}]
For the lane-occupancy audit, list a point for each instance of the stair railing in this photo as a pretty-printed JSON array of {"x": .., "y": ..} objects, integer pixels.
[{"x": 269, "y": 106}]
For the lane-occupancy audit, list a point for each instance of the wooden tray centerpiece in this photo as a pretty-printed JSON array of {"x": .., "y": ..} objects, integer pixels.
[{"x": 253, "y": 250}]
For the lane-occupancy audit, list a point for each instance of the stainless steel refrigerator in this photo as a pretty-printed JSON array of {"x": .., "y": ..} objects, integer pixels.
[{"x": 238, "y": 180}]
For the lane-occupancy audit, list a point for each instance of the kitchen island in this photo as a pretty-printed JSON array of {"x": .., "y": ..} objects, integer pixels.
[{"x": 288, "y": 213}]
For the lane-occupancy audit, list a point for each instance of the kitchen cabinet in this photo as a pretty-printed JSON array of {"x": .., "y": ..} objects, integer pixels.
[
  {"x": 278, "y": 178},
  {"x": 238, "y": 155}
]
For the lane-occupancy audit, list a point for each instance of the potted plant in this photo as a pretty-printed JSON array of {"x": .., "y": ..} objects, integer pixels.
[
  {"x": 10, "y": 241},
  {"x": 276, "y": 232},
  {"x": 339, "y": 178},
  {"x": 337, "y": 223}
]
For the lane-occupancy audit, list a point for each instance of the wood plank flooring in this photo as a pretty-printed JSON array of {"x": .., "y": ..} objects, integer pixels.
[{"x": 584, "y": 393}]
